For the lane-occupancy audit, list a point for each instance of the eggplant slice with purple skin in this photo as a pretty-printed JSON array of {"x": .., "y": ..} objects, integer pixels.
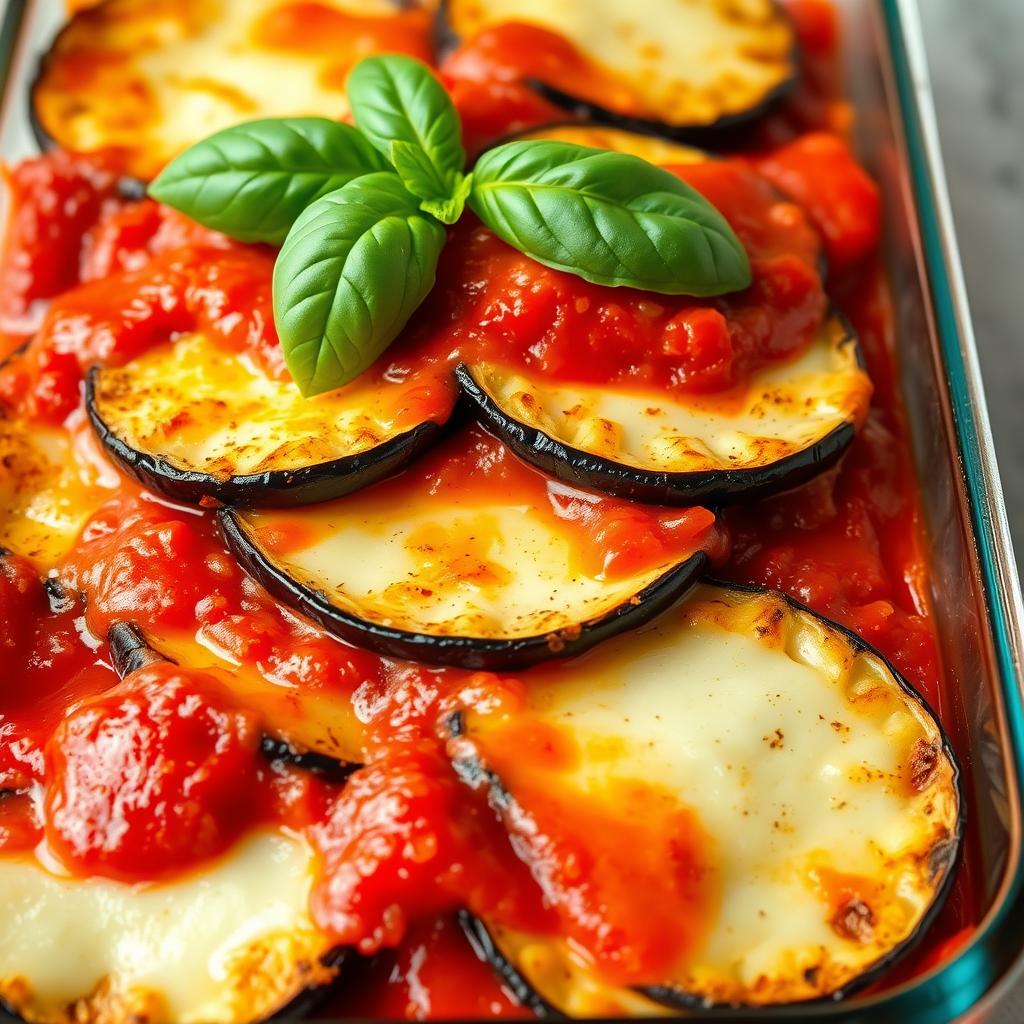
[
  {"x": 688, "y": 71},
  {"x": 793, "y": 420},
  {"x": 196, "y": 422},
  {"x": 450, "y": 565},
  {"x": 148, "y": 78},
  {"x": 826, "y": 798}
]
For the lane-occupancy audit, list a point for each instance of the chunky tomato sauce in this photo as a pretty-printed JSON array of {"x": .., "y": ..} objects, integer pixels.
[{"x": 155, "y": 775}]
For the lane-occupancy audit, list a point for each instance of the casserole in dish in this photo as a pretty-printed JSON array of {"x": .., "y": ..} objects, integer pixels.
[{"x": 463, "y": 814}]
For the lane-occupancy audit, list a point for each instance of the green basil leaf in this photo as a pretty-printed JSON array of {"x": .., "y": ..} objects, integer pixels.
[
  {"x": 448, "y": 211},
  {"x": 252, "y": 180},
  {"x": 417, "y": 172},
  {"x": 400, "y": 106},
  {"x": 351, "y": 272},
  {"x": 609, "y": 218}
]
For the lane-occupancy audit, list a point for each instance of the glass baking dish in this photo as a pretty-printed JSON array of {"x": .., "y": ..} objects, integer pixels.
[{"x": 976, "y": 595}]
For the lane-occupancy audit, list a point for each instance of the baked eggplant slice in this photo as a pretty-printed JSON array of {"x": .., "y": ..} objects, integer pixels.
[
  {"x": 787, "y": 797},
  {"x": 471, "y": 558},
  {"x": 783, "y": 427},
  {"x": 193, "y": 420},
  {"x": 232, "y": 942},
  {"x": 315, "y": 730},
  {"x": 148, "y": 78},
  {"x": 671, "y": 68}
]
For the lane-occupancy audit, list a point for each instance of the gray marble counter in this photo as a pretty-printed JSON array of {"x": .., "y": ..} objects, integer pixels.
[{"x": 976, "y": 54}]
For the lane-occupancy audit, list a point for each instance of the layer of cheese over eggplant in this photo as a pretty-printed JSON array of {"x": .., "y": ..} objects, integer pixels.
[
  {"x": 448, "y": 577},
  {"x": 51, "y": 480},
  {"x": 162, "y": 74},
  {"x": 193, "y": 418},
  {"x": 230, "y": 942},
  {"x": 800, "y": 752},
  {"x": 678, "y": 63},
  {"x": 789, "y": 418}
]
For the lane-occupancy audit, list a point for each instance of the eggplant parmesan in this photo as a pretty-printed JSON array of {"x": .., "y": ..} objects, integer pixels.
[
  {"x": 194, "y": 420},
  {"x": 783, "y": 427},
  {"x": 668, "y": 67},
  {"x": 785, "y": 799},
  {"x": 471, "y": 559},
  {"x": 147, "y": 79},
  {"x": 413, "y": 698}
]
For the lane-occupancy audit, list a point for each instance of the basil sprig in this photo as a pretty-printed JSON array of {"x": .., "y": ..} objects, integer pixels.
[{"x": 361, "y": 211}]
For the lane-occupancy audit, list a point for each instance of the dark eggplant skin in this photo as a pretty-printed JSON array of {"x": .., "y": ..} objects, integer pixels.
[
  {"x": 276, "y": 488},
  {"x": 714, "y": 488},
  {"x": 487, "y": 950},
  {"x": 462, "y": 651},
  {"x": 726, "y": 131},
  {"x": 945, "y": 858},
  {"x": 130, "y": 651},
  {"x": 711, "y": 487}
]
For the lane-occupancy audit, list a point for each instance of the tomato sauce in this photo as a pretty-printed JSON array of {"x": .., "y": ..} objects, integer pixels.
[
  {"x": 495, "y": 303},
  {"x": 156, "y": 774}
]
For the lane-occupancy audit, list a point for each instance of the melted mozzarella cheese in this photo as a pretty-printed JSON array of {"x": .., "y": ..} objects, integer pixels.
[
  {"x": 232, "y": 942},
  {"x": 51, "y": 480},
  {"x": 784, "y": 409},
  {"x": 497, "y": 569},
  {"x": 163, "y": 74},
  {"x": 803, "y": 759},
  {"x": 682, "y": 62},
  {"x": 203, "y": 408}
]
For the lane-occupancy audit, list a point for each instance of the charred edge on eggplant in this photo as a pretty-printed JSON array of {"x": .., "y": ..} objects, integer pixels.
[
  {"x": 714, "y": 488},
  {"x": 463, "y": 651},
  {"x": 724, "y": 132},
  {"x": 485, "y": 948},
  {"x": 130, "y": 651},
  {"x": 306, "y": 485},
  {"x": 944, "y": 858}
]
